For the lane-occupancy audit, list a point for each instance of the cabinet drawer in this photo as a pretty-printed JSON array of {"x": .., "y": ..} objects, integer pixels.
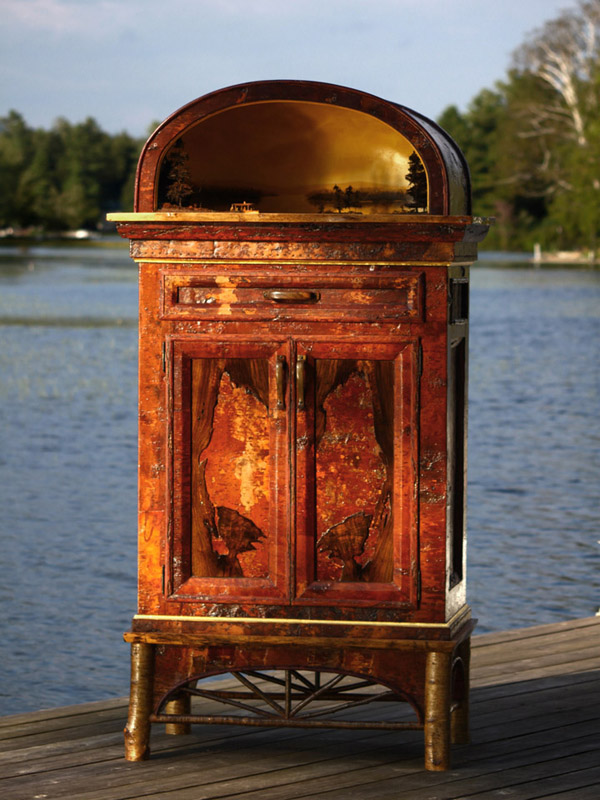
[{"x": 256, "y": 297}]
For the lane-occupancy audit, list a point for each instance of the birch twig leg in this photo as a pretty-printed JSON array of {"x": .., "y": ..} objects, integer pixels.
[
  {"x": 459, "y": 722},
  {"x": 137, "y": 732},
  {"x": 437, "y": 711},
  {"x": 179, "y": 705}
]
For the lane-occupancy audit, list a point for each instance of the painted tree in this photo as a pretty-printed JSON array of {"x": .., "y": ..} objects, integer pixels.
[
  {"x": 339, "y": 198},
  {"x": 178, "y": 177},
  {"x": 417, "y": 182}
]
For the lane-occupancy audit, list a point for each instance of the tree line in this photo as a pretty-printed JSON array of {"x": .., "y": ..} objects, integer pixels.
[
  {"x": 532, "y": 143},
  {"x": 64, "y": 178}
]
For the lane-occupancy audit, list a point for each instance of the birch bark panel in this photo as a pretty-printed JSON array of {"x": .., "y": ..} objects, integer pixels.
[
  {"x": 351, "y": 471},
  {"x": 231, "y": 467}
]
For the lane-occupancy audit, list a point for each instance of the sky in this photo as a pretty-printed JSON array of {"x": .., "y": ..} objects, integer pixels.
[{"x": 131, "y": 63}]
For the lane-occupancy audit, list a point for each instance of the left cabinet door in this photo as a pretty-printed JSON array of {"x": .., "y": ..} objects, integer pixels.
[{"x": 229, "y": 477}]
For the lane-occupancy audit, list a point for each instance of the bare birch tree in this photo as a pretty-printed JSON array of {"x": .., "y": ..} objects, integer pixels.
[
  {"x": 561, "y": 121},
  {"x": 564, "y": 54}
]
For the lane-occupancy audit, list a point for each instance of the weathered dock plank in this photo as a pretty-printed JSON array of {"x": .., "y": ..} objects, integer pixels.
[{"x": 535, "y": 710}]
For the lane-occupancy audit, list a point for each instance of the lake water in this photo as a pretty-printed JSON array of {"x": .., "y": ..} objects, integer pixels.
[{"x": 68, "y": 461}]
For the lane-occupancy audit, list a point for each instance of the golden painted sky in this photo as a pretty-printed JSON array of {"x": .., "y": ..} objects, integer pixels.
[{"x": 290, "y": 148}]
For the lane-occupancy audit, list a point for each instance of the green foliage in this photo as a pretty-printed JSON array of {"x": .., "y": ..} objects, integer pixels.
[
  {"x": 533, "y": 143},
  {"x": 476, "y": 132},
  {"x": 65, "y": 178},
  {"x": 16, "y": 150}
]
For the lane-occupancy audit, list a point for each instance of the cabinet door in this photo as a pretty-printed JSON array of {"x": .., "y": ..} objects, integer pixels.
[
  {"x": 230, "y": 473},
  {"x": 356, "y": 478}
]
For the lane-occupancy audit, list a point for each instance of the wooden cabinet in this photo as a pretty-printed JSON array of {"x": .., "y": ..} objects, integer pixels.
[{"x": 303, "y": 253}]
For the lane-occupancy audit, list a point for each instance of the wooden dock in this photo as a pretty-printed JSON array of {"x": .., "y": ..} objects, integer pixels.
[{"x": 535, "y": 734}]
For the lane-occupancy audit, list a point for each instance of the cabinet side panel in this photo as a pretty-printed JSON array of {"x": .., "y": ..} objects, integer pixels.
[
  {"x": 433, "y": 448},
  {"x": 152, "y": 447},
  {"x": 457, "y": 461}
]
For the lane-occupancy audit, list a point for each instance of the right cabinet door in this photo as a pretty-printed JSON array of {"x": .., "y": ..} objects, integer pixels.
[{"x": 356, "y": 454}]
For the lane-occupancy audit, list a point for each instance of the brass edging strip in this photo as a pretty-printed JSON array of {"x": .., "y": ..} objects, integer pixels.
[
  {"x": 293, "y": 262},
  {"x": 296, "y": 218},
  {"x": 466, "y": 612}
]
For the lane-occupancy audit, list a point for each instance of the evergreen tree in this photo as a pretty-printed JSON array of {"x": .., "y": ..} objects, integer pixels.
[
  {"x": 178, "y": 178},
  {"x": 16, "y": 150},
  {"x": 38, "y": 188},
  {"x": 417, "y": 183}
]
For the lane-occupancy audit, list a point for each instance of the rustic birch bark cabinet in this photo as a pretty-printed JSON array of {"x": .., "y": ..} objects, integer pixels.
[{"x": 303, "y": 252}]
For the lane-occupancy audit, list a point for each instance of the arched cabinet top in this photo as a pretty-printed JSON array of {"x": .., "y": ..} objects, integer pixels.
[{"x": 301, "y": 147}]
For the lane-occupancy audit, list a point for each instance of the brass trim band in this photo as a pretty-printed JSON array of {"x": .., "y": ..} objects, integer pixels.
[
  {"x": 322, "y": 262},
  {"x": 463, "y": 612}
]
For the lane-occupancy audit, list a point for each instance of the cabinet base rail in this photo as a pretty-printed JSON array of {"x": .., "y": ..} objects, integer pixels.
[{"x": 217, "y": 719}]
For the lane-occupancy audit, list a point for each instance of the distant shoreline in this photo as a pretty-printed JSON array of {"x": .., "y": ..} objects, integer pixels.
[
  {"x": 571, "y": 258},
  {"x": 110, "y": 240}
]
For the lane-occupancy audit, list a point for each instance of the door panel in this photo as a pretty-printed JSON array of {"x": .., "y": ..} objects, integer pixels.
[
  {"x": 355, "y": 458},
  {"x": 230, "y": 468}
]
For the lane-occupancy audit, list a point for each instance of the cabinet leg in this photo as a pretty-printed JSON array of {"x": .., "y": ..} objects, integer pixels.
[
  {"x": 459, "y": 722},
  {"x": 437, "y": 711},
  {"x": 178, "y": 705},
  {"x": 137, "y": 732}
]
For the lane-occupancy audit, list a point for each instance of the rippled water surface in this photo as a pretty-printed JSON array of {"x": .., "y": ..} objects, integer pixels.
[
  {"x": 68, "y": 461},
  {"x": 534, "y": 445}
]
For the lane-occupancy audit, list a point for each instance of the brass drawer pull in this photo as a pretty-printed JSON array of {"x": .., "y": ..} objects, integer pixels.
[
  {"x": 290, "y": 295},
  {"x": 300, "y": 381},
  {"x": 280, "y": 382}
]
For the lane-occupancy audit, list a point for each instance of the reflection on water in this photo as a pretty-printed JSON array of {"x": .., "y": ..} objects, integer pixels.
[{"x": 68, "y": 462}]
